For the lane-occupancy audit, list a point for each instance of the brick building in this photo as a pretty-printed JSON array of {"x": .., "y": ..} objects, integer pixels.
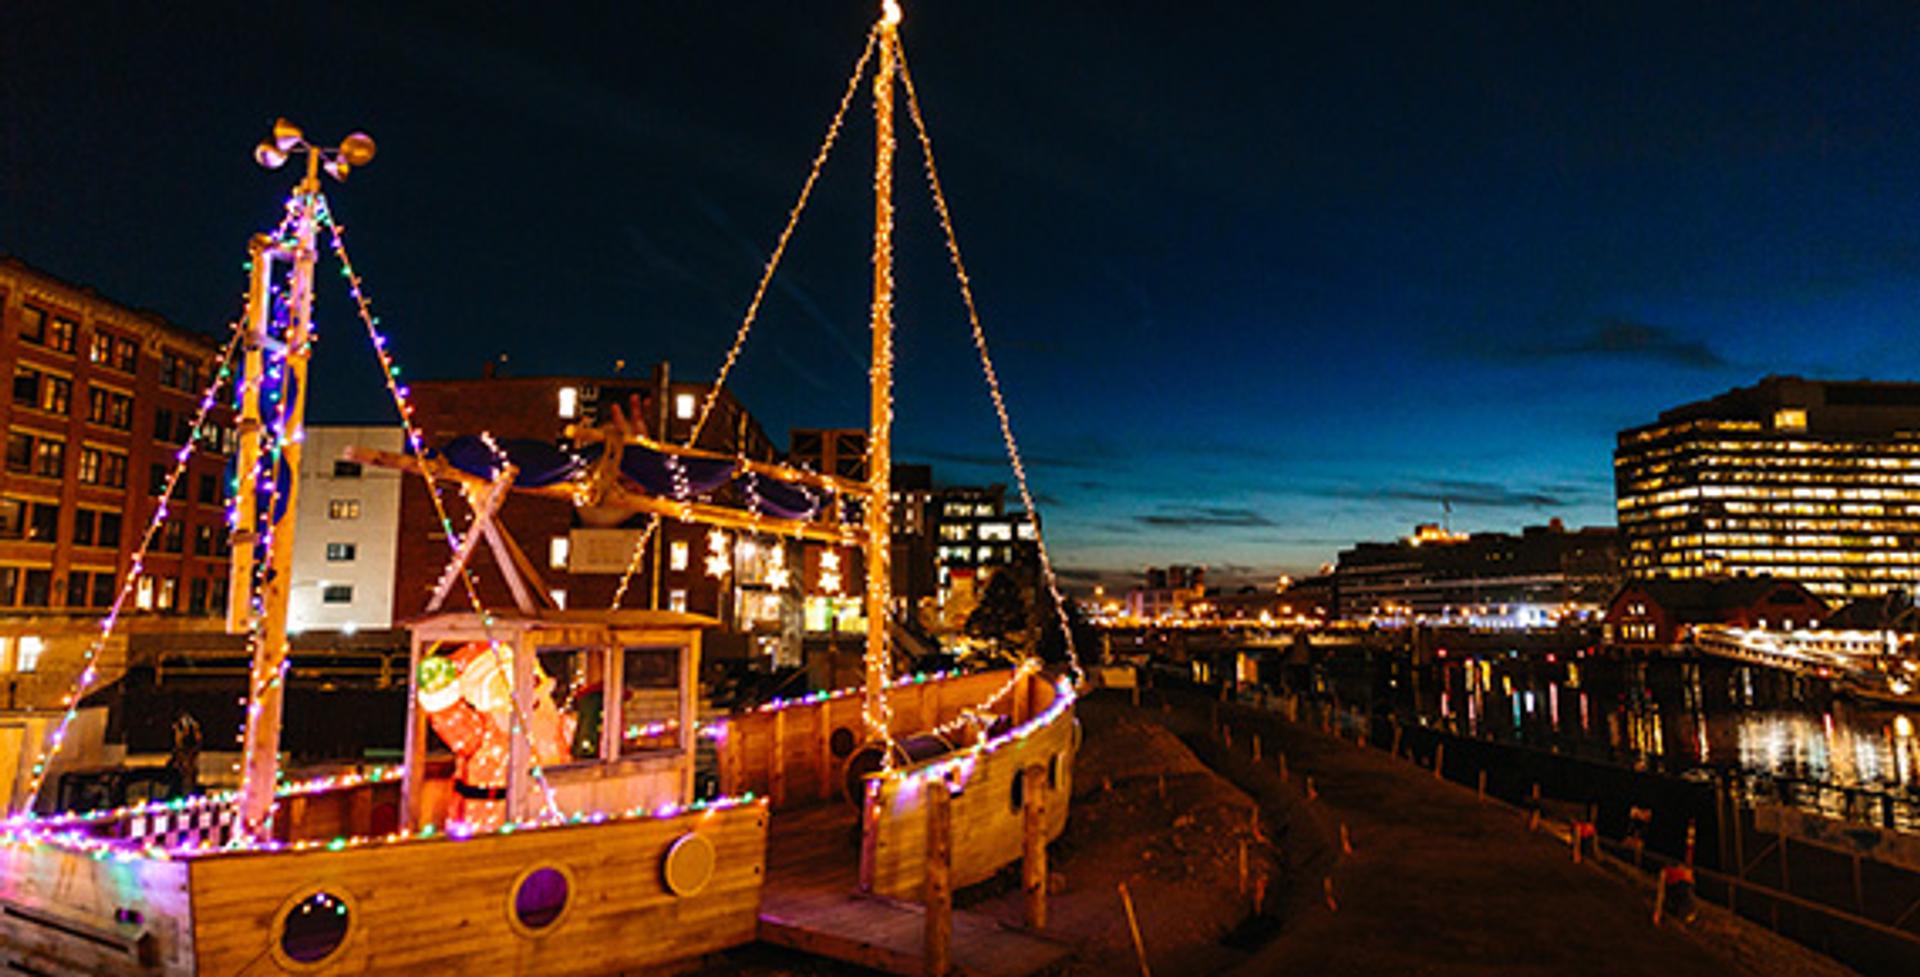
[
  {"x": 580, "y": 562},
  {"x": 1656, "y": 615},
  {"x": 103, "y": 396}
]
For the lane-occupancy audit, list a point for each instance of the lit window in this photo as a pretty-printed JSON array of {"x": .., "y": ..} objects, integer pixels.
[
  {"x": 31, "y": 648},
  {"x": 557, "y": 549},
  {"x": 569, "y": 402},
  {"x": 343, "y": 509},
  {"x": 677, "y": 600},
  {"x": 143, "y": 594},
  {"x": 340, "y": 552},
  {"x": 559, "y": 595},
  {"x": 677, "y": 555},
  {"x": 1790, "y": 419},
  {"x": 683, "y": 406}
]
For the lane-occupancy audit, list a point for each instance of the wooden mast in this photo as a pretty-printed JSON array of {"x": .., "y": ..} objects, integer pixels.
[
  {"x": 261, "y": 754},
  {"x": 878, "y": 510}
]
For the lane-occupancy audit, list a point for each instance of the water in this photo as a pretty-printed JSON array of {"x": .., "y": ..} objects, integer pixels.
[{"x": 1777, "y": 735}]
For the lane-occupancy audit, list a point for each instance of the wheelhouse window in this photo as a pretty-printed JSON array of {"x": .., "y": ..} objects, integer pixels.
[{"x": 649, "y": 700}]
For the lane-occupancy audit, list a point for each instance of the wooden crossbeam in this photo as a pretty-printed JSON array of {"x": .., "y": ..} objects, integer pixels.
[{"x": 701, "y": 512}]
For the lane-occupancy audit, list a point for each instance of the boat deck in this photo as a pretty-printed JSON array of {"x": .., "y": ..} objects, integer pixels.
[{"x": 810, "y": 903}]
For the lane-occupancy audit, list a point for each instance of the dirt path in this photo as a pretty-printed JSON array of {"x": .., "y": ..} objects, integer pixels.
[{"x": 1441, "y": 882}]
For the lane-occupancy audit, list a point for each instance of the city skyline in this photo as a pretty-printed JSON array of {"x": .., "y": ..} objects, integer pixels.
[{"x": 1355, "y": 274}]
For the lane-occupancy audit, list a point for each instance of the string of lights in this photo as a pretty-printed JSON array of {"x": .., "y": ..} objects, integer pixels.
[
  {"x": 877, "y": 708},
  {"x": 780, "y": 246},
  {"x": 633, "y": 561},
  {"x": 403, "y": 405},
  {"x": 89, "y": 659},
  {"x": 986, "y": 363}
]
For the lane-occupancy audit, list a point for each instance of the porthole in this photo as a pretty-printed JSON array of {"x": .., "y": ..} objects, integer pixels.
[
  {"x": 311, "y": 928},
  {"x": 688, "y": 866},
  {"x": 841, "y": 742},
  {"x": 539, "y": 899},
  {"x": 1018, "y": 796},
  {"x": 1053, "y": 772}
]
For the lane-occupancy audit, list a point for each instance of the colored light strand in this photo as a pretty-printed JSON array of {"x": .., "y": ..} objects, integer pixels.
[
  {"x": 780, "y": 246},
  {"x": 90, "y": 658},
  {"x": 390, "y": 372},
  {"x": 986, "y": 363}
]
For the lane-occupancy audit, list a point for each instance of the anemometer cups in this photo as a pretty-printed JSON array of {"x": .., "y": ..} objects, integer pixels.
[{"x": 274, "y": 151}]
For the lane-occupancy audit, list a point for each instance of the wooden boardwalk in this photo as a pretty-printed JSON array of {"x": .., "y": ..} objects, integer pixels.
[{"x": 811, "y": 903}]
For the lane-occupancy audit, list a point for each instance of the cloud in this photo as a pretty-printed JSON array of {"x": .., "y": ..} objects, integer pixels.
[
  {"x": 1204, "y": 517},
  {"x": 1624, "y": 339},
  {"x": 999, "y": 461},
  {"x": 1462, "y": 492}
]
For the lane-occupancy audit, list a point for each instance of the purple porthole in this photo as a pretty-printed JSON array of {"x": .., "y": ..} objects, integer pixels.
[
  {"x": 315, "y": 927},
  {"x": 541, "y": 898}
]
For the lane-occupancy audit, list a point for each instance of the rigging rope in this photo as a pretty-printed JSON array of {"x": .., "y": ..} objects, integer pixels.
[
  {"x": 986, "y": 363},
  {"x": 391, "y": 374},
  {"x": 780, "y": 246}
]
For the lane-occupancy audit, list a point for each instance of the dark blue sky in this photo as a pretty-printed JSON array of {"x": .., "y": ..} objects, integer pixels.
[{"x": 1263, "y": 279}]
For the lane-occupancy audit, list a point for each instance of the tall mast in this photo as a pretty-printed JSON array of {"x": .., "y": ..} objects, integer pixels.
[
  {"x": 879, "y": 562},
  {"x": 262, "y": 749},
  {"x": 268, "y": 617}
]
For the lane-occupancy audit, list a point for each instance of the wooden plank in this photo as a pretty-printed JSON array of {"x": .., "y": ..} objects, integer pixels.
[
  {"x": 989, "y": 830},
  {"x": 443, "y": 906},
  {"x": 66, "y": 912},
  {"x": 939, "y": 886},
  {"x": 887, "y": 935}
]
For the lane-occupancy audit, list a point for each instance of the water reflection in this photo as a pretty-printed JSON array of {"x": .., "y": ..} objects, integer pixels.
[{"x": 1709, "y": 714}]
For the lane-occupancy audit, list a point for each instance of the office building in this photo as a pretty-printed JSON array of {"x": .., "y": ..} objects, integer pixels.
[{"x": 1805, "y": 480}]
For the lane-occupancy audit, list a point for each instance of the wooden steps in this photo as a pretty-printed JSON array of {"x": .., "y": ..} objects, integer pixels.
[
  {"x": 887, "y": 935},
  {"x": 809, "y": 904}
]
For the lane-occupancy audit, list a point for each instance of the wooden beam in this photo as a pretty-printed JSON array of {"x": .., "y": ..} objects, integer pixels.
[
  {"x": 1033, "y": 866},
  {"x": 782, "y": 473},
  {"x": 705, "y": 513},
  {"x": 938, "y": 891}
]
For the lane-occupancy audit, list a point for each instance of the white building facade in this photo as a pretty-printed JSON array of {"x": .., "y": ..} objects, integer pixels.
[{"x": 348, "y": 522}]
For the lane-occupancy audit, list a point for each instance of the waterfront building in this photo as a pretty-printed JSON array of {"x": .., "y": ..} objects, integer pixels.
[
  {"x": 1541, "y": 576},
  {"x": 1658, "y": 615},
  {"x": 1807, "y": 480},
  {"x": 103, "y": 397},
  {"x": 349, "y": 519},
  {"x": 1169, "y": 592}
]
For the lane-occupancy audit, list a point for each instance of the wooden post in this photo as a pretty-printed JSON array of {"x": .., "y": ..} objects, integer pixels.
[
  {"x": 1483, "y": 785},
  {"x": 1311, "y": 793},
  {"x": 1346, "y": 840},
  {"x": 938, "y": 892},
  {"x": 1326, "y": 885},
  {"x": 1859, "y": 893},
  {"x": 1439, "y": 761},
  {"x": 869, "y": 834},
  {"x": 1243, "y": 866},
  {"x": 1660, "y": 899},
  {"x": 1786, "y": 881},
  {"x": 1136, "y": 695},
  {"x": 1226, "y": 736},
  {"x": 1256, "y": 747},
  {"x": 1133, "y": 926},
  {"x": 777, "y": 787},
  {"x": 1033, "y": 866},
  {"x": 1281, "y": 759},
  {"x": 1396, "y": 738}
]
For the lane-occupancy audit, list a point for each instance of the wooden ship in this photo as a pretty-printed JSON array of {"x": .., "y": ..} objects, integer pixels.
[{"x": 546, "y": 843}]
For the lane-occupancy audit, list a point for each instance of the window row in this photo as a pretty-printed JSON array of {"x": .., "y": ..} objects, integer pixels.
[
  {"x": 49, "y": 392},
  {"x": 104, "y": 349}
]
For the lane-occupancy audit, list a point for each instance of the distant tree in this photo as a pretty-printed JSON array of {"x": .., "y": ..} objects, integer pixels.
[
  {"x": 1001, "y": 613},
  {"x": 1053, "y": 646}
]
